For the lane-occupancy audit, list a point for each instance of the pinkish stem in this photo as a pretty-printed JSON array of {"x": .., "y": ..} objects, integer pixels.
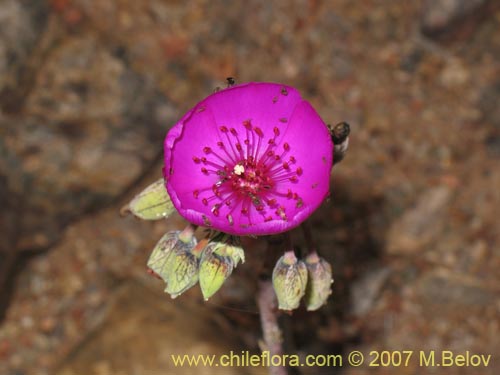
[{"x": 268, "y": 308}]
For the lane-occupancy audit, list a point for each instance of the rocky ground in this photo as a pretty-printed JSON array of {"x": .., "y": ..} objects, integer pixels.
[{"x": 88, "y": 89}]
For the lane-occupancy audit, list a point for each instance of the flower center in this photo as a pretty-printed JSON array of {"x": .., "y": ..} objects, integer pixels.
[
  {"x": 249, "y": 178},
  {"x": 250, "y": 173}
]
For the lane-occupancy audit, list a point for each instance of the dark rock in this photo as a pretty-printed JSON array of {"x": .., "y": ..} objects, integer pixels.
[
  {"x": 22, "y": 23},
  {"x": 453, "y": 19},
  {"x": 90, "y": 128},
  {"x": 488, "y": 103}
]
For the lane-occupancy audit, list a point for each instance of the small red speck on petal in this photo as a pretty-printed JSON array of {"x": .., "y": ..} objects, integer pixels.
[
  {"x": 259, "y": 132},
  {"x": 276, "y": 131},
  {"x": 247, "y": 124},
  {"x": 196, "y": 193},
  {"x": 269, "y": 218},
  {"x": 275, "y": 99},
  {"x": 220, "y": 144},
  {"x": 233, "y": 131},
  {"x": 207, "y": 150},
  {"x": 196, "y": 159},
  {"x": 284, "y": 91},
  {"x": 204, "y": 201},
  {"x": 294, "y": 179},
  {"x": 283, "y": 119},
  {"x": 286, "y": 146},
  {"x": 299, "y": 171},
  {"x": 204, "y": 170},
  {"x": 286, "y": 166},
  {"x": 223, "y": 129},
  {"x": 230, "y": 219}
]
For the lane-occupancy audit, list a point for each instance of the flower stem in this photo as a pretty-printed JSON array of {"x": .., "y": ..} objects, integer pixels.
[
  {"x": 310, "y": 242},
  {"x": 268, "y": 308}
]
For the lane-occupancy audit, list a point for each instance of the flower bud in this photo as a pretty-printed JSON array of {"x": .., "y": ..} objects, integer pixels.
[
  {"x": 182, "y": 270},
  {"x": 152, "y": 203},
  {"x": 173, "y": 261},
  {"x": 289, "y": 281},
  {"x": 157, "y": 259},
  {"x": 217, "y": 263},
  {"x": 340, "y": 138},
  {"x": 319, "y": 281}
]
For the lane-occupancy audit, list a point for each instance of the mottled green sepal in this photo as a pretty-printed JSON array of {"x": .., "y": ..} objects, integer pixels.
[
  {"x": 153, "y": 203},
  {"x": 218, "y": 260},
  {"x": 158, "y": 259},
  {"x": 289, "y": 281},
  {"x": 182, "y": 272},
  {"x": 319, "y": 283}
]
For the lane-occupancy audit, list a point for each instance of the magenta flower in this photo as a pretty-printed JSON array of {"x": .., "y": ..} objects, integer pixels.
[{"x": 253, "y": 159}]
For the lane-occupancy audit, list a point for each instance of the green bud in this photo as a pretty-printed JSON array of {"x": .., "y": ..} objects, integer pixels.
[
  {"x": 152, "y": 203},
  {"x": 173, "y": 261},
  {"x": 235, "y": 252},
  {"x": 319, "y": 283},
  {"x": 289, "y": 281},
  {"x": 182, "y": 270},
  {"x": 158, "y": 259},
  {"x": 217, "y": 263}
]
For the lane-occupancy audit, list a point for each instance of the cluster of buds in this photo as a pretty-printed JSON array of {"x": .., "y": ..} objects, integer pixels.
[
  {"x": 178, "y": 258},
  {"x": 294, "y": 279},
  {"x": 181, "y": 261}
]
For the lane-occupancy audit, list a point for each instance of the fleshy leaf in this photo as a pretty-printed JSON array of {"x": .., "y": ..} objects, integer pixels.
[{"x": 153, "y": 203}]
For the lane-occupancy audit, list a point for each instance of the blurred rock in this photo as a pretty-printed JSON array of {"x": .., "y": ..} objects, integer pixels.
[
  {"x": 420, "y": 224},
  {"x": 91, "y": 126},
  {"x": 488, "y": 103},
  {"x": 142, "y": 331},
  {"x": 452, "y": 292},
  {"x": 446, "y": 19},
  {"x": 21, "y": 24},
  {"x": 364, "y": 291}
]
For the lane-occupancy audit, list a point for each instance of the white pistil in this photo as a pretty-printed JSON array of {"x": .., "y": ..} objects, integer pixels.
[{"x": 239, "y": 169}]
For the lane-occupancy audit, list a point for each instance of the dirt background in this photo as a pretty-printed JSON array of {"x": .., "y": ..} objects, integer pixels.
[{"x": 88, "y": 88}]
